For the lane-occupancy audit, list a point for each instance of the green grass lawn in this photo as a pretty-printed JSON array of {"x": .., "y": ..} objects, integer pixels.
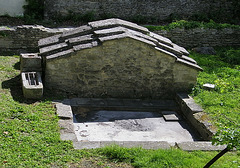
[
  {"x": 29, "y": 132},
  {"x": 223, "y": 70}
]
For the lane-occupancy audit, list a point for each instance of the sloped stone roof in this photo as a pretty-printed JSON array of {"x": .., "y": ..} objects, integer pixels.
[{"x": 95, "y": 33}]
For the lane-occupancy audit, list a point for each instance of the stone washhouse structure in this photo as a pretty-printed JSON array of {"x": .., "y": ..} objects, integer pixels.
[
  {"x": 113, "y": 68},
  {"x": 111, "y": 58}
]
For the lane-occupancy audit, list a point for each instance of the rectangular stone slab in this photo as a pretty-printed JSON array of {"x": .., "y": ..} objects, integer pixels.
[{"x": 170, "y": 116}]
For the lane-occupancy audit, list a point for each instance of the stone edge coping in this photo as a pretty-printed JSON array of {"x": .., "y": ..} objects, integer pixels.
[
  {"x": 195, "y": 115},
  {"x": 65, "y": 115}
]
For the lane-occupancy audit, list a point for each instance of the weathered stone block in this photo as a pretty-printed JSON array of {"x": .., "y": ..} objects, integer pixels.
[
  {"x": 30, "y": 62},
  {"x": 64, "y": 111},
  {"x": 195, "y": 115},
  {"x": 170, "y": 116}
]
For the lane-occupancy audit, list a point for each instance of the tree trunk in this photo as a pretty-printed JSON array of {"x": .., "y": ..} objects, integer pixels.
[{"x": 216, "y": 157}]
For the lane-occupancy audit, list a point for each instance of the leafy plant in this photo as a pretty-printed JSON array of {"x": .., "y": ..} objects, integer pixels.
[{"x": 228, "y": 134}]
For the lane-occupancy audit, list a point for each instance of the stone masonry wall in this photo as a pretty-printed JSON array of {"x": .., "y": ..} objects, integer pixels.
[
  {"x": 203, "y": 37},
  {"x": 23, "y": 39},
  {"x": 114, "y": 69},
  {"x": 127, "y": 9}
]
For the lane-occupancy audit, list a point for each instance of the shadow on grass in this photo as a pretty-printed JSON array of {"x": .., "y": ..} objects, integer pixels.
[
  {"x": 15, "y": 86},
  {"x": 17, "y": 66}
]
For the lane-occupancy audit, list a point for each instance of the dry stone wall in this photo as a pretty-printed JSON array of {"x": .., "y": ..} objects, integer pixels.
[
  {"x": 127, "y": 9},
  {"x": 190, "y": 38},
  {"x": 22, "y": 39}
]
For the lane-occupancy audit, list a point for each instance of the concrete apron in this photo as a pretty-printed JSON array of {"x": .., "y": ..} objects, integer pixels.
[{"x": 141, "y": 125}]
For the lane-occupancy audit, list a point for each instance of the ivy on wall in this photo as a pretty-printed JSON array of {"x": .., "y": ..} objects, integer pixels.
[{"x": 34, "y": 10}]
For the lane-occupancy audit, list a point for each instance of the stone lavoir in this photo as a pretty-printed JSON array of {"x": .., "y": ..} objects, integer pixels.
[
  {"x": 121, "y": 74},
  {"x": 114, "y": 58}
]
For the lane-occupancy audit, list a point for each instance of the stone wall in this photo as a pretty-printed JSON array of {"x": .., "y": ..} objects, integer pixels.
[
  {"x": 127, "y": 9},
  {"x": 203, "y": 37},
  {"x": 121, "y": 68},
  {"x": 22, "y": 39}
]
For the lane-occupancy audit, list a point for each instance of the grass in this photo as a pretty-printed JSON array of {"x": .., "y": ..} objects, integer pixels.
[
  {"x": 29, "y": 132},
  {"x": 223, "y": 70},
  {"x": 170, "y": 158}
]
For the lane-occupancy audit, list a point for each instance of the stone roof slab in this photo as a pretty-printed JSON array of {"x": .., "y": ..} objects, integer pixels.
[
  {"x": 181, "y": 49},
  {"x": 49, "y": 40},
  {"x": 141, "y": 35},
  {"x": 110, "y": 31},
  {"x": 60, "y": 54},
  {"x": 82, "y": 30},
  {"x": 170, "y": 49},
  {"x": 117, "y": 22},
  {"x": 189, "y": 64},
  {"x": 81, "y": 39},
  {"x": 161, "y": 39},
  {"x": 118, "y": 36},
  {"x": 85, "y": 46},
  {"x": 188, "y": 59},
  {"x": 166, "y": 52},
  {"x": 52, "y": 48}
]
